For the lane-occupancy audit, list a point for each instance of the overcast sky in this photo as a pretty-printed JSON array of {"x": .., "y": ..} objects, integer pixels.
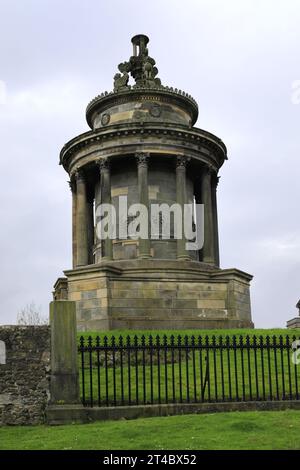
[{"x": 239, "y": 60}]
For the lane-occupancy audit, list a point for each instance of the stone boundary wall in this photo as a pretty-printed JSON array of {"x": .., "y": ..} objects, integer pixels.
[{"x": 24, "y": 374}]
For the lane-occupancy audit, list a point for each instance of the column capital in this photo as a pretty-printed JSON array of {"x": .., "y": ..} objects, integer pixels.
[
  {"x": 182, "y": 161},
  {"x": 216, "y": 180},
  {"x": 210, "y": 170},
  {"x": 142, "y": 158},
  {"x": 103, "y": 163},
  {"x": 79, "y": 175},
  {"x": 72, "y": 185}
]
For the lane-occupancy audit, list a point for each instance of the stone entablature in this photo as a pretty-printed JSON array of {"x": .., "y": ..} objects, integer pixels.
[{"x": 124, "y": 139}]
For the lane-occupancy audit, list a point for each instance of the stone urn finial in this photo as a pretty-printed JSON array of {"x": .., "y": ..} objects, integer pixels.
[{"x": 140, "y": 65}]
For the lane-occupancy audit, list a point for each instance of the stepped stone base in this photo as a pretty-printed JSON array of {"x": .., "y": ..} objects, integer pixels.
[
  {"x": 293, "y": 323},
  {"x": 157, "y": 294}
]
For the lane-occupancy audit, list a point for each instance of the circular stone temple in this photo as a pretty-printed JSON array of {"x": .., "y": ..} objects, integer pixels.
[{"x": 147, "y": 178}]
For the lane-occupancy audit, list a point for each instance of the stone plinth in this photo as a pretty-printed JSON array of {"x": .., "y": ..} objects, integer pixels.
[
  {"x": 293, "y": 323},
  {"x": 159, "y": 294}
]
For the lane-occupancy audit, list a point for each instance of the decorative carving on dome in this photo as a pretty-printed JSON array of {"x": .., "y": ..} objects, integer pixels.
[
  {"x": 121, "y": 81},
  {"x": 105, "y": 118},
  {"x": 155, "y": 110},
  {"x": 141, "y": 67}
]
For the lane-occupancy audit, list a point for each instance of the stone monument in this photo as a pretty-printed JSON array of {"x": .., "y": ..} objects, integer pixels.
[
  {"x": 143, "y": 148},
  {"x": 295, "y": 322}
]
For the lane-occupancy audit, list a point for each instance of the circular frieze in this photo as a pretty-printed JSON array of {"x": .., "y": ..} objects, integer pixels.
[
  {"x": 155, "y": 110},
  {"x": 105, "y": 118}
]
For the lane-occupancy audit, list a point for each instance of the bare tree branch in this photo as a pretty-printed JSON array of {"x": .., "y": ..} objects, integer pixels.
[{"x": 31, "y": 314}]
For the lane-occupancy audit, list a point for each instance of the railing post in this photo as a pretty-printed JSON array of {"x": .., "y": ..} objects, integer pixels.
[{"x": 64, "y": 355}]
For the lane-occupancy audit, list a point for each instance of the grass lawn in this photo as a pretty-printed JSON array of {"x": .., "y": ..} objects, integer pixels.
[{"x": 231, "y": 431}]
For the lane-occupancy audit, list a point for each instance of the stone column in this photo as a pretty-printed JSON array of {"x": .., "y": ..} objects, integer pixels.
[
  {"x": 181, "y": 199},
  {"x": 97, "y": 251},
  {"x": 198, "y": 200},
  {"x": 90, "y": 229},
  {"x": 72, "y": 184},
  {"x": 142, "y": 163},
  {"x": 215, "y": 181},
  {"x": 81, "y": 220},
  {"x": 209, "y": 242},
  {"x": 104, "y": 166}
]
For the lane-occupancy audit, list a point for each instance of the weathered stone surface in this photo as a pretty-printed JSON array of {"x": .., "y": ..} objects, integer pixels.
[
  {"x": 64, "y": 364},
  {"x": 2, "y": 352},
  {"x": 71, "y": 414},
  {"x": 143, "y": 145},
  {"x": 293, "y": 323},
  {"x": 25, "y": 377},
  {"x": 157, "y": 294}
]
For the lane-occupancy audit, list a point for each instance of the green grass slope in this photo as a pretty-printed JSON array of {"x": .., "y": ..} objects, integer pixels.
[{"x": 230, "y": 431}]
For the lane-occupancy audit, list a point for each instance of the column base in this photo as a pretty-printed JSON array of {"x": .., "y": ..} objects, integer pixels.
[
  {"x": 106, "y": 258},
  {"x": 183, "y": 258},
  {"x": 145, "y": 256}
]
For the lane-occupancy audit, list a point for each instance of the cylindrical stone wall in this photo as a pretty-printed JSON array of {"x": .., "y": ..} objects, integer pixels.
[{"x": 128, "y": 187}]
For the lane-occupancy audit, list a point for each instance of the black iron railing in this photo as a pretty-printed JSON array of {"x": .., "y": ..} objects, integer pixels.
[{"x": 134, "y": 371}]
